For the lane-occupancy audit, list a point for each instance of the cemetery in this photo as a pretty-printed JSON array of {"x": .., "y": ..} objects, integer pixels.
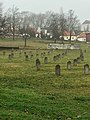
[{"x": 41, "y": 83}]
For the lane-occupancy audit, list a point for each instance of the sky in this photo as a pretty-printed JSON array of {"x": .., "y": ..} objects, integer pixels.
[{"x": 81, "y": 7}]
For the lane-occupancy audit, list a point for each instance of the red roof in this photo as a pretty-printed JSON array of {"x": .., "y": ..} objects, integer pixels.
[
  {"x": 66, "y": 33},
  {"x": 82, "y": 35}
]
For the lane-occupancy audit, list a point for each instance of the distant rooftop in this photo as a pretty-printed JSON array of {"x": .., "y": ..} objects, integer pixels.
[{"x": 86, "y": 22}]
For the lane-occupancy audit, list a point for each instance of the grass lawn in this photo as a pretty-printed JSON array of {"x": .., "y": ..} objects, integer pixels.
[{"x": 28, "y": 94}]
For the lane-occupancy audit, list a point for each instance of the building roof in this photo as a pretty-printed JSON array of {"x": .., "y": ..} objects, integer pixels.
[
  {"x": 66, "y": 33},
  {"x": 82, "y": 35},
  {"x": 86, "y": 22}
]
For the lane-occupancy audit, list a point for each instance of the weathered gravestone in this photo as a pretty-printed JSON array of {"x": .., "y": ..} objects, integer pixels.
[
  {"x": 86, "y": 69},
  {"x": 37, "y": 54},
  {"x": 69, "y": 65},
  {"x": 85, "y": 51},
  {"x": 31, "y": 56},
  {"x": 25, "y": 53},
  {"x": 63, "y": 55},
  {"x": 75, "y": 62},
  {"x": 12, "y": 55},
  {"x": 26, "y": 57},
  {"x": 20, "y": 53},
  {"x": 57, "y": 70},
  {"x": 78, "y": 60},
  {"x": 49, "y": 52},
  {"x": 54, "y": 58},
  {"x": 82, "y": 57},
  {"x": 9, "y": 57},
  {"x": 46, "y": 60},
  {"x": 59, "y": 55},
  {"x": 38, "y": 64},
  {"x": 4, "y": 53}
]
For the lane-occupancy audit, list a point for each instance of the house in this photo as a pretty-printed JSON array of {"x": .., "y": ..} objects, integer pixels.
[
  {"x": 88, "y": 37},
  {"x": 85, "y": 26},
  {"x": 82, "y": 37},
  {"x": 67, "y": 36}
]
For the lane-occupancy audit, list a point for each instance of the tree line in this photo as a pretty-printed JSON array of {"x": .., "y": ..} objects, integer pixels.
[{"x": 13, "y": 22}]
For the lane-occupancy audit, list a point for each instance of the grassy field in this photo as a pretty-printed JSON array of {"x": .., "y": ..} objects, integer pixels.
[{"x": 28, "y": 94}]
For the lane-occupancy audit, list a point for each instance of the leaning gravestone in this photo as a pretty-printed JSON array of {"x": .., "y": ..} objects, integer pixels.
[
  {"x": 46, "y": 60},
  {"x": 57, "y": 70},
  {"x": 69, "y": 65},
  {"x": 86, "y": 69},
  {"x": 38, "y": 64}
]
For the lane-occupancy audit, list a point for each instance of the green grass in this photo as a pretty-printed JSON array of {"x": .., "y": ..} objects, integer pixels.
[{"x": 28, "y": 94}]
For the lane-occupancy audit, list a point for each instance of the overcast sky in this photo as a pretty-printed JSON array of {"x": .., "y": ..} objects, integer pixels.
[{"x": 81, "y": 7}]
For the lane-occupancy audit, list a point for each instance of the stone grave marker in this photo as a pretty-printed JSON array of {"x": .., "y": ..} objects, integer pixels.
[
  {"x": 38, "y": 64},
  {"x": 4, "y": 53},
  {"x": 12, "y": 55},
  {"x": 26, "y": 57},
  {"x": 69, "y": 65},
  {"x": 78, "y": 60},
  {"x": 57, "y": 70},
  {"x": 75, "y": 62},
  {"x": 46, "y": 60},
  {"x": 31, "y": 56},
  {"x": 9, "y": 57},
  {"x": 54, "y": 58},
  {"x": 86, "y": 69}
]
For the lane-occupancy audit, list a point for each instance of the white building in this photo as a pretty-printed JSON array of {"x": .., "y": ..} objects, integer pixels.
[{"x": 85, "y": 27}]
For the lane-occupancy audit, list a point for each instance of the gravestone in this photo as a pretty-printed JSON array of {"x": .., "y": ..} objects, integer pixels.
[
  {"x": 82, "y": 57},
  {"x": 20, "y": 52},
  {"x": 54, "y": 58},
  {"x": 59, "y": 55},
  {"x": 12, "y": 50},
  {"x": 49, "y": 52},
  {"x": 26, "y": 57},
  {"x": 75, "y": 62},
  {"x": 44, "y": 53},
  {"x": 4, "y": 53},
  {"x": 25, "y": 53},
  {"x": 38, "y": 64},
  {"x": 12, "y": 55},
  {"x": 46, "y": 60},
  {"x": 37, "y": 54},
  {"x": 57, "y": 70},
  {"x": 65, "y": 52},
  {"x": 69, "y": 65},
  {"x": 41, "y": 54},
  {"x": 30, "y": 52},
  {"x": 85, "y": 51},
  {"x": 86, "y": 69},
  {"x": 31, "y": 57},
  {"x": 9, "y": 56},
  {"x": 78, "y": 60}
]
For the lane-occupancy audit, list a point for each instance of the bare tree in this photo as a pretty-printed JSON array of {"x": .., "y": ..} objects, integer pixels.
[
  {"x": 54, "y": 26},
  {"x": 12, "y": 19},
  {"x": 0, "y": 18},
  {"x": 72, "y": 22},
  {"x": 62, "y": 24},
  {"x": 2, "y": 22}
]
